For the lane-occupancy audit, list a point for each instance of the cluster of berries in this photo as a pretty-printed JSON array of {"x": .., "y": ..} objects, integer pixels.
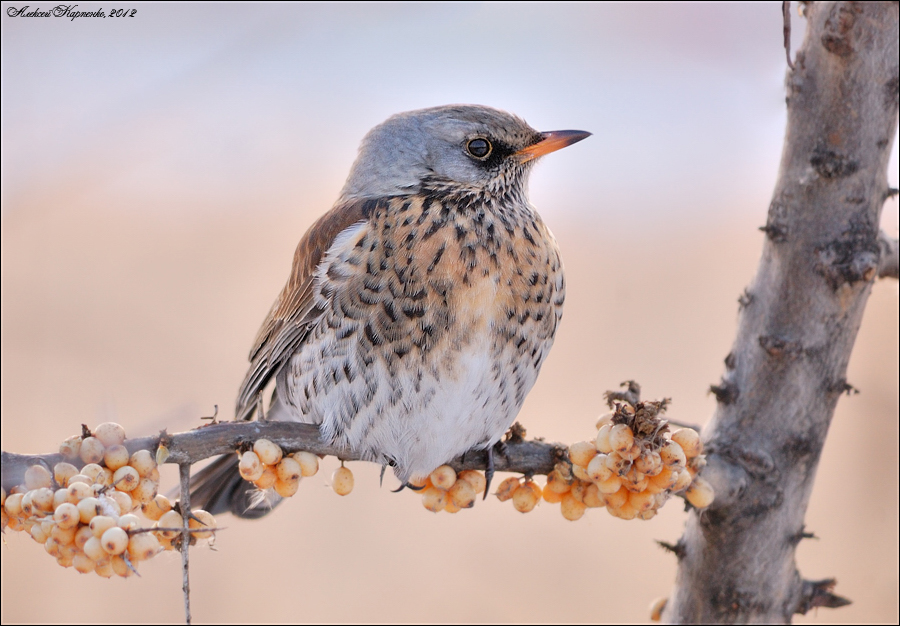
[
  {"x": 445, "y": 490},
  {"x": 85, "y": 518},
  {"x": 266, "y": 466},
  {"x": 632, "y": 467}
]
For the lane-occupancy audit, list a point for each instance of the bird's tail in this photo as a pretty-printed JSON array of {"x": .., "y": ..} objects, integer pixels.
[{"x": 219, "y": 488}]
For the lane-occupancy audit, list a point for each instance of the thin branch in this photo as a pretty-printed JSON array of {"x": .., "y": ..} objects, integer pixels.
[
  {"x": 523, "y": 457},
  {"x": 184, "y": 475}
]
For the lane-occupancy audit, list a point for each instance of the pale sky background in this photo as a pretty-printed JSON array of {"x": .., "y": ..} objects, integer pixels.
[{"x": 157, "y": 172}]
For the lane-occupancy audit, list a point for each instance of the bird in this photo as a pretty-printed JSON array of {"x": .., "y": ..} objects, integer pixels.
[{"x": 419, "y": 309}]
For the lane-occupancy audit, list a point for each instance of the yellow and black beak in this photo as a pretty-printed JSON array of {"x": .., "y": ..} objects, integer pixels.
[{"x": 551, "y": 142}]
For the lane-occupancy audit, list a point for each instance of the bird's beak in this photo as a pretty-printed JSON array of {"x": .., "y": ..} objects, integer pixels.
[{"x": 551, "y": 142}]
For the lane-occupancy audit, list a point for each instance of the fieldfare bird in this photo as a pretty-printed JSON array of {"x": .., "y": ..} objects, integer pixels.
[{"x": 420, "y": 308}]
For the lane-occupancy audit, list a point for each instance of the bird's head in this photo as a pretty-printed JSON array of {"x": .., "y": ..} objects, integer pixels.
[{"x": 466, "y": 147}]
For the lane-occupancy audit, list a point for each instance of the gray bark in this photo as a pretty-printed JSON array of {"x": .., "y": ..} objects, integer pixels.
[{"x": 798, "y": 323}]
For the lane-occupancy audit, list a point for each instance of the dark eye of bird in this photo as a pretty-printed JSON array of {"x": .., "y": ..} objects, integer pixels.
[{"x": 479, "y": 148}]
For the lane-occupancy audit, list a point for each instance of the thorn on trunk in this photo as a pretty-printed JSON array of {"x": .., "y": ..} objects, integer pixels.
[
  {"x": 818, "y": 593},
  {"x": 726, "y": 393},
  {"x": 677, "y": 549}
]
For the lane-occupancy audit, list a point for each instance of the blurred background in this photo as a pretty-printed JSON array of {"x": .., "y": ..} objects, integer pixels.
[{"x": 158, "y": 170}]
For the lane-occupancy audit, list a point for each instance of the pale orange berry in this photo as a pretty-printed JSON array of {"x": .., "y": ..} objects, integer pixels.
[
  {"x": 626, "y": 511},
  {"x": 91, "y": 470},
  {"x": 672, "y": 454},
  {"x": 129, "y": 521},
  {"x": 597, "y": 469},
  {"x": 154, "y": 509},
  {"x": 144, "y": 463},
  {"x": 63, "y": 536},
  {"x": 206, "y": 527},
  {"x": 13, "y": 504},
  {"x": 309, "y": 462},
  {"x": 642, "y": 501},
  {"x": 250, "y": 467},
  {"x": 443, "y": 477},
  {"x": 700, "y": 494},
  {"x": 104, "y": 478},
  {"x": 621, "y": 438},
  {"x": 268, "y": 478},
  {"x": 665, "y": 479},
  {"x": 79, "y": 478},
  {"x": 100, "y": 524},
  {"x": 37, "y": 476},
  {"x": 121, "y": 567},
  {"x": 121, "y": 499},
  {"x": 526, "y": 497},
  {"x": 109, "y": 433},
  {"x": 288, "y": 470},
  {"x": 114, "y": 540},
  {"x": 145, "y": 491},
  {"x": 580, "y": 473},
  {"x": 103, "y": 568},
  {"x": 602, "y": 441},
  {"x": 142, "y": 546},
  {"x": 342, "y": 481},
  {"x": 93, "y": 549},
  {"x": 506, "y": 489},
  {"x": 65, "y": 559},
  {"x": 88, "y": 508},
  {"x": 592, "y": 497},
  {"x": 571, "y": 508},
  {"x": 682, "y": 481},
  {"x": 604, "y": 419},
  {"x": 116, "y": 456},
  {"x": 582, "y": 452},
  {"x": 617, "y": 464},
  {"x": 462, "y": 494},
  {"x": 82, "y": 563},
  {"x": 27, "y": 506},
  {"x": 170, "y": 524},
  {"x": 126, "y": 478},
  {"x": 556, "y": 482},
  {"x": 70, "y": 448},
  {"x": 63, "y": 471},
  {"x": 474, "y": 478},
  {"x": 286, "y": 488},
  {"x": 632, "y": 453},
  {"x": 553, "y": 497},
  {"x": 649, "y": 463},
  {"x": 450, "y": 507},
  {"x": 635, "y": 481},
  {"x": 51, "y": 546},
  {"x": 610, "y": 485},
  {"x": 91, "y": 450},
  {"x": 617, "y": 499},
  {"x": 81, "y": 536},
  {"x": 66, "y": 515},
  {"x": 434, "y": 499},
  {"x": 268, "y": 452},
  {"x": 689, "y": 440}
]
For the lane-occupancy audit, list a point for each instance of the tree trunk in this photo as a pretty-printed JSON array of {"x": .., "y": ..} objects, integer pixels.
[{"x": 798, "y": 324}]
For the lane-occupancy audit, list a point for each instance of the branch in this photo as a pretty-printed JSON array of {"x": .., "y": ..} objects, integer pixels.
[
  {"x": 524, "y": 457},
  {"x": 798, "y": 324}
]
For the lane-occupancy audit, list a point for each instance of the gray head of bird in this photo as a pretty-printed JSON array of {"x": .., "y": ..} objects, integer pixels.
[{"x": 467, "y": 148}]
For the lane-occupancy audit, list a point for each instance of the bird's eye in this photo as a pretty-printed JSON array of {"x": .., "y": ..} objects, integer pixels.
[{"x": 479, "y": 148}]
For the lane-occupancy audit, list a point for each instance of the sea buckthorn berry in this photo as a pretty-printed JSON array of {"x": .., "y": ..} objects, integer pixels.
[
  {"x": 434, "y": 499},
  {"x": 597, "y": 470},
  {"x": 592, "y": 497},
  {"x": 700, "y": 494},
  {"x": 672, "y": 454},
  {"x": 635, "y": 481},
  {"x": 617, "y": 464},
  {"x": 443, "y": 477},
  {"x": 342, "y": 481},
  {"x": 37, "y": 476},
  {"x": 114, "y": 540},
  {"x": 474, "y": 478},
  {"x": 689, "y": 440},
  {"x": 286, "y": 488},
  {"x": 129, "y": 521},
  {"x": 38, "y": 534},
  {"x": 268, "y": 452},
  {"x": 104, "y": 478},
  {"x": 556, "y": 482},
  {"x": 126, "y": 478},
  {"x": 525, "y": 498},
  {"x": 581, "y": 473},
  {"x": 571, "y": 508},
  {"x": 632, "y": 453},
  {"x": 92, "y": 471},
  {"x": 70, "y": 448},
  {"x": 250, "y": 467},
  {"x": 462, "y": 494},
  {"x": 602, "y": 441},
  {"x": 682, "y": 481},
  {"x": 88, "y": 508},
  {"x": 288, "y": 470},
  {"x": 109, "y": 433},
  {"x": 604, "y": 419},
  {"x": 79, "y": 478},
  {"x": 649, "y": 463},
  {"x": 93, "y": 549},
  {"x": 610, "y": 485},
  {"x": 626, "y": 511},
  {"x": 103, "y": 568},
  {"x": 642, "y": 501},
  {"x": 268, "y": 478},
  {"x": 81, "y": 536},
  {"x": 617, "y": 499},
  {"x": 170, "y": 524},
  {"x": 63, "y": 536},
  {"x": 155, "y": 509},
  {"x": 91, "y": 450},
  {"x": 582, "y": 452},
  {"x": 309, "y": 462},
  {"x": 142, "y": 546},
  {"x": 553, "y": 497},
  {"x": 116, "y": 456},
  {"x": 145, "y": 491},
  {"x": 205, "y": 527},
  {"x": 121, "y": 567},
  {"x": 66, "y": 515},
  {"x": 577, "y": 490},
  {"x": 621, "y": 438},
  {"x": 450, "y": 507},
  {"x": 51, "y": 546},
  {"x": 506, "y": 489},
  {"x": 27, "y": 506},
  {"x": 143, "y": 462},
  {"x": 100, "y": 524},
  {"x": 122, "y": 500},
  {"x": 63, "y": 471},
  {"x": 83, "y": 564}
]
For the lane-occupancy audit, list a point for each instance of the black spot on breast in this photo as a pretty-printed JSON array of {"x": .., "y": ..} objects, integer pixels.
[{"x": 371, "y": 335}]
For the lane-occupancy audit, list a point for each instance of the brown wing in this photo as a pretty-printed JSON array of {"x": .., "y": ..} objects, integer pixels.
[{"x": 294, "y": 312}]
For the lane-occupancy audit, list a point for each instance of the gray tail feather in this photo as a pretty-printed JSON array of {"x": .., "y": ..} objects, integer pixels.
[{"x": 219, "y": 488}]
